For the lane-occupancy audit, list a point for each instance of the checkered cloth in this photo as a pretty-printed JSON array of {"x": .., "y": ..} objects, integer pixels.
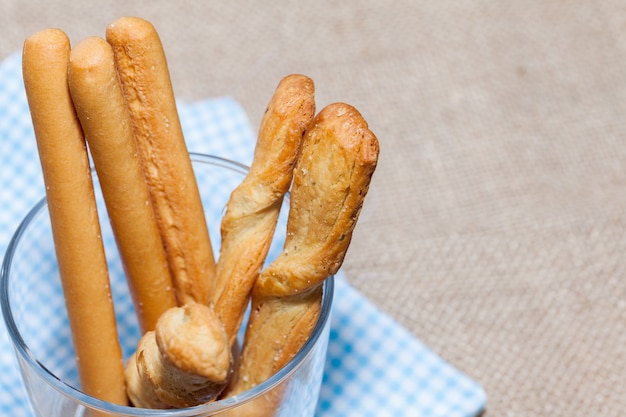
[{"x": 374, "y": 366}]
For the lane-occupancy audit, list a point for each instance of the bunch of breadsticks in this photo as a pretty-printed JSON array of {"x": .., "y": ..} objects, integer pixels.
[{"x": 111, "y": 98}]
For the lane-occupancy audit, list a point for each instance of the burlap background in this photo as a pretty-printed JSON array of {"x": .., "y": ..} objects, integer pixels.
[{"x": 496, "y": 224}]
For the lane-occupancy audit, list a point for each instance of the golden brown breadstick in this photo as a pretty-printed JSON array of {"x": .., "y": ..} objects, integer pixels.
[
  {"x": 73, "y": 215},
  {"x": 143, "y": 72},
  {"x": 332, "y": 176},
  {"x": 98, "y": 100},
  {"x": 186, "y": 361},
  {"x": 252, "y": 211}
]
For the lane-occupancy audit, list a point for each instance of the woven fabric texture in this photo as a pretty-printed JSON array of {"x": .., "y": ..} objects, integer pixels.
[{"x": 495, "y": 227}]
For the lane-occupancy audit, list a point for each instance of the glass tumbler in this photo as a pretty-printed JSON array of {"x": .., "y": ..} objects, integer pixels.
[{"x": 34, "y": 312}]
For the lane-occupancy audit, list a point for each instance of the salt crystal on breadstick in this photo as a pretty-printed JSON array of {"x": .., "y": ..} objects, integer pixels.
[
  {"x": 253, "y": 208},
  {"x": 143, "y": 72},
  {"x": 73, "y": 215},
  {"x": 331, "y": 179},
  {"x": 100, "y": 105}
]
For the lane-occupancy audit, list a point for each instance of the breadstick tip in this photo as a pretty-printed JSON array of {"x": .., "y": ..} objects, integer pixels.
[
  {"x": 89, "y": 53},
  {"x": 193, "y": 339},
  {"x": 129, "y": 27},
  {"x": 185, "y": 361},
  {"x": 50, "y": 36},
  {"x": 44, "y": 47},
  {"x": 356, "y": 132}
]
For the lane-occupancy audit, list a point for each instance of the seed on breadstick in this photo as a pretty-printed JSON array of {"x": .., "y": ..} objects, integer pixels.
[
  {"x": 253, "y": 208},
  {"x": 142, "y": 68},
  {"x": 73, "y": 216},
  {"x": 331, "y": 179},
  {"x": 185, "y": 361},
  {"x": 99, "y": 102}
]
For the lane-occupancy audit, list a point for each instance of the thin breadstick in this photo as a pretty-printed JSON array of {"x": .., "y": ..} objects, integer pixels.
[
  {"x": 338, "y": 157},
  {"x": 252, "y": 211},
  {"x": 73, "y": 215},
  {"x": 144, "y": 76},
  {"x": 99, "y": 102}
]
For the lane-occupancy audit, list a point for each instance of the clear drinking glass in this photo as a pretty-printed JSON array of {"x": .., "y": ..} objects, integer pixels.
[{"x": 34, "y": 312}]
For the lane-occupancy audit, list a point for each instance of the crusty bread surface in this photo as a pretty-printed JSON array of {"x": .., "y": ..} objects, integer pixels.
[
  {"x": 185, "y": 361},
  {"x": 143, "y": 72},
  {"x": 252, "y": 211},
  {"x": 331, "y": 179}
]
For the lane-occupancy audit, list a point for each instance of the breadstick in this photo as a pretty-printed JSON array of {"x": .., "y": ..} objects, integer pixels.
[
  {"x": 145, "y": 80},
  {"x": 185, "y": 362},
  {"x": 73, "y": 215},
  {"x": 252, "y": 211},
  {"x": 332, "y": 176},
  {"x": 98, "y": 100}
]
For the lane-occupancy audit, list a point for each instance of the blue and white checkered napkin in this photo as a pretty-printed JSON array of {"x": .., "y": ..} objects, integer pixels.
[{"x": 374, "y": 366}]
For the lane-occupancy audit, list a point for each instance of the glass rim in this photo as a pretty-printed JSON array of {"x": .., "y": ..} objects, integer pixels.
[{"x": 74, "y": 393}]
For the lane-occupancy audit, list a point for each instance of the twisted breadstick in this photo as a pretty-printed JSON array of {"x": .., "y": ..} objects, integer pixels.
[
  {"x": 185, "y": 361},
  {"x": 331, "y": 178},
  {"x": 252, "y": 211},
  {"x": 99, "y": 103},
  {"x": 73, "y": 216},
  {"x": 142, "y": 68},
  {"x": 169, "y": 368}
]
